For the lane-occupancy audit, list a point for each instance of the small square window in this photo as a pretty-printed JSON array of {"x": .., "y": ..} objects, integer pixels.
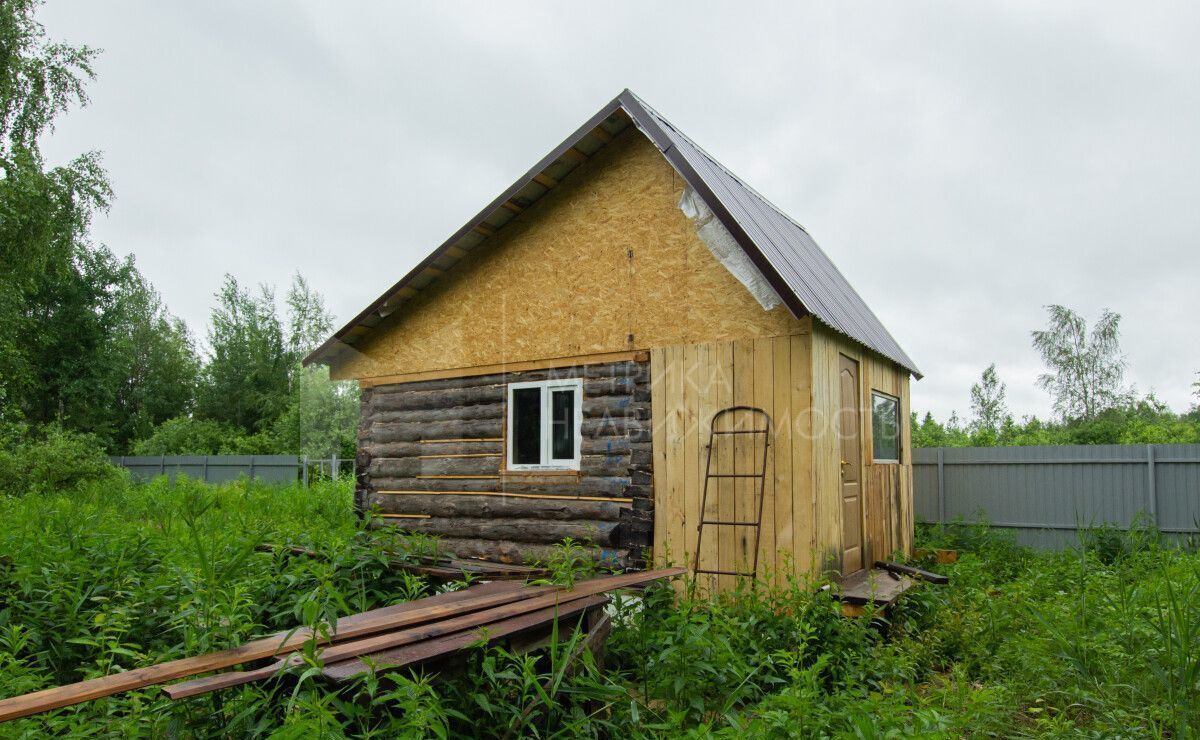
[
  {"x": 885, "y": 428},
  {"x": 544, "y": 423}
]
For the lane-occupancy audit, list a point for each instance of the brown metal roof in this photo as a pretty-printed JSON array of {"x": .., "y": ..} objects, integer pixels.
[{"x": 799, "y": 271}]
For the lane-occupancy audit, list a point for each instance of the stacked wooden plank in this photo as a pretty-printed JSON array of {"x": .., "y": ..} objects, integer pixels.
[{"x": 390, "y": 637}]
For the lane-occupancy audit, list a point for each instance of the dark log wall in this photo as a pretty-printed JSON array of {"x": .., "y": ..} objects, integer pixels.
[{"x": 431, "y": 459}]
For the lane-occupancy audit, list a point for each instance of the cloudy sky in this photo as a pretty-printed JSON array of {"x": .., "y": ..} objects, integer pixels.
[{"x": 964, "y": 164}]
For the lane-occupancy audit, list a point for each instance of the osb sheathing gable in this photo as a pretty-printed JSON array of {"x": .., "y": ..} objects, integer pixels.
[{"x": 559, "y": 281}]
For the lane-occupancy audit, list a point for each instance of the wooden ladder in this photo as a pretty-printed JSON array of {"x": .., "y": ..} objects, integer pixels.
[{"x": 760, "y": 424}]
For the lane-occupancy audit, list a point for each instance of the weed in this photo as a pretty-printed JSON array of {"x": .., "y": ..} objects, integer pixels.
[{"x": 1100, "y": 640}]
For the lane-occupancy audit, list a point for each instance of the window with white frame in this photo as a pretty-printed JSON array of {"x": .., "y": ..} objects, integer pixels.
[
  {"x": 885, "y": 428},
  {"x": 544, "y": 422}
]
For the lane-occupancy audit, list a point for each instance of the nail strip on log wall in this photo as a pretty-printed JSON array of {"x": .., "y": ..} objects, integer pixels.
[{"x": 439, "y": 445}]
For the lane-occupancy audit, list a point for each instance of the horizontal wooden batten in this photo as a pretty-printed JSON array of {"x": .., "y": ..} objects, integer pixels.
[
  {"x": 463, "y": 439},
  {"x": 461, "y": 454},
  {"x": 405, "y": 516},
  {"x": 509, "y": 367},
  {"x": 549, "y": 496}
]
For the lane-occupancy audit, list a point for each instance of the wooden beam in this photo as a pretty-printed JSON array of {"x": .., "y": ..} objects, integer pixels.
[
  {"x": 602, "y": 135},
  {"x": 483, "y": 229},
  {"x": 418, "y": 649},
  {"x": 513, "y": 207},
  {"x": 464, "y": 439},
  {"x": 507, "y": 367},
  {"x": 545, "y": 180},
  {"x": 908, "y": 570},
  {"x": 421, "y": 652}
]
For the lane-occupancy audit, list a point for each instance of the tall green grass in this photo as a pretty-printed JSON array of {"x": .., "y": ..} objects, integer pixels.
[{"x": 1101, "y": 640}]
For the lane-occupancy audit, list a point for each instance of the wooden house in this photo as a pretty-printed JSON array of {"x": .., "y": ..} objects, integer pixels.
[{"x": 553, "y": 371}]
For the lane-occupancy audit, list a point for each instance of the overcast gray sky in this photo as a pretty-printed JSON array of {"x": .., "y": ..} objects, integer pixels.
[{"x": 962, "y": 163}]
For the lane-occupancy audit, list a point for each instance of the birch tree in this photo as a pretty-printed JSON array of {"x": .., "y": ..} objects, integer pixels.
[{"x": 1087, "y": 368}]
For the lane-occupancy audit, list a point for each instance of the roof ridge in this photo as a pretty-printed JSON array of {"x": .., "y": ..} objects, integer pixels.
[
  {"x": 750, "y": 188},
  {"x": 865, "y": 328}
]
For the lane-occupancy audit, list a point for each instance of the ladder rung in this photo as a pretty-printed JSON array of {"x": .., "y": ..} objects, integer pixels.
[
  {"x": 742, "y": 431},
  {"x": 736, "y": 475},
  {"x": 734, "y": 524},
  {"x": 724, "y": 573}
]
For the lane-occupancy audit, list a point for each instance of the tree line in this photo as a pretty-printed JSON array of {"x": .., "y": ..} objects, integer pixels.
[
  {"x": 87, "y": 345},
  {"x": 1086, "y": 381}
]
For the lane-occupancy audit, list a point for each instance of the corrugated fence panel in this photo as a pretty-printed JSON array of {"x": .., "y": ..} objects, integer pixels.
[
  {"x": 1048, "y": 493},
  {"x": 213, "y": 468},
  {"x": 1174, "y": 472}
]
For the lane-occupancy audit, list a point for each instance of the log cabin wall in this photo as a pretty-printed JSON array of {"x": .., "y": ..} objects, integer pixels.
[
  {"x": 431, "y": 459},
  {"x": 887, "y": 524}
]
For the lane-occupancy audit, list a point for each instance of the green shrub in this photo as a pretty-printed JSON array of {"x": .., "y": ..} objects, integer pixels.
[
  {"x": 186, "y": 435},
  {"x": 51, "y": 459},
  {"x": 1112, "y": 543}
]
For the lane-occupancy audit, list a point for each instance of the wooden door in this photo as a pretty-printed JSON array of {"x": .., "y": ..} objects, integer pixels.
[{"x": 849, "y": 430}]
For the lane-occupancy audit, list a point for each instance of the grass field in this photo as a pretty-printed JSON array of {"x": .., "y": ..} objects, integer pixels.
[{"x": 1099, "y": 642}]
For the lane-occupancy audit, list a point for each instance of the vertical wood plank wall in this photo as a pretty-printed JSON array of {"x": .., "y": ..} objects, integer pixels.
[
  {"x": 887, "y": 492},
  {"x": 689, "y": 384},
  {"x": 795, "y": 380}
]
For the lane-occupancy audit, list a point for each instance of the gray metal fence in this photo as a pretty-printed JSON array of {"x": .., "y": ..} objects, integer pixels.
[
  {"x": 224, "y": 468},
  {"x": 1047, "y": 493}
]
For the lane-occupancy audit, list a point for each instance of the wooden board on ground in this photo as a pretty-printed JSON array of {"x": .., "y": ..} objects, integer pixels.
[
  {"x": 873, "y": 586},
  {"x": 438, "y": 616},
  {"x": 464, "y": 620},
  {"x": 358, "y": 625},
  {"x": 488, "y": 634}
]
